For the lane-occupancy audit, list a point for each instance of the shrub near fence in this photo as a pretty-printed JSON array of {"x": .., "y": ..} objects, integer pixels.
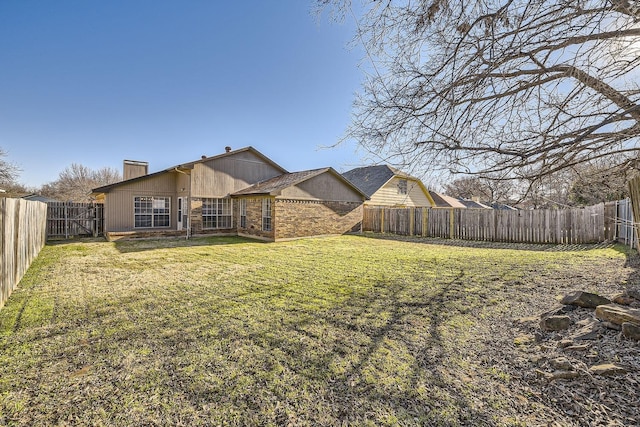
[
  {"x": 22, "y": 235},
  {"x": 567, "y": 226}
]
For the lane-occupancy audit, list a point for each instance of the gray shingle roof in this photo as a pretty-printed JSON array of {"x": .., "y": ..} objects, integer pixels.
[
  {"x": 440, "y": 202},
  {"x": 370, "y": 179},
  {"x": 281, "y": 182}
]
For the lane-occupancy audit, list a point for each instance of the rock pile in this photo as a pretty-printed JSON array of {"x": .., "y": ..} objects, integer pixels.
[{"x": 566, "y": 342}]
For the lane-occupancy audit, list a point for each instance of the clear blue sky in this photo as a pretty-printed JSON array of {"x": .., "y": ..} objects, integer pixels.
[{"x": 95, "y": 82}]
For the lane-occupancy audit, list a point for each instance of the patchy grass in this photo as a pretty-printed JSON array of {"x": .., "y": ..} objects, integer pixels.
[{"x": 225, "y": 331}]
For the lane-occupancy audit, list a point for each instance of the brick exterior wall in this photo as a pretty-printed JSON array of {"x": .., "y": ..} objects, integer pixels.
[
  {"x": 289, "y": 218},
  {"x": 254, "y": 218},
  {"x": 302, "y": 218}
]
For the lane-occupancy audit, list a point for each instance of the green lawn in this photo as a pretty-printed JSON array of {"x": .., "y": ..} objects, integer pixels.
[{"x": 334, "y": 331}]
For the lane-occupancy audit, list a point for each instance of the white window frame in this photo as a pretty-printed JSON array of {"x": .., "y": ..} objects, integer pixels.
[
  {"x": 243, "y": 212},
  {"x": 217, "y": 213},
  {"x": 154, "y": 207},
  {"x": 266, "y": 214}
]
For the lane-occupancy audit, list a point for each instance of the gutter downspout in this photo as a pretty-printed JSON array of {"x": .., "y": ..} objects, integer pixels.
[{"x": 188, "y": 201}]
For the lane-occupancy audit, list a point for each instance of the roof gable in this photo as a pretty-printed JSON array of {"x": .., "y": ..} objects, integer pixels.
[
  {"x": 190, "y": 165},
  {"x": 204, "y": 159},
  {"x": 275, "y": 185}
]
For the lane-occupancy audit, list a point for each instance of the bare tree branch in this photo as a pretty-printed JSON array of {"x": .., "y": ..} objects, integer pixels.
[
  {"x": 503, "y": 88},
  {"x": 8, "y": 171}
]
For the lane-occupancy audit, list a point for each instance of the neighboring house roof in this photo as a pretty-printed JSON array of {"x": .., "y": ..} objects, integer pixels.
[
  {"x": 503, "y": 207},
  {"x": 275, "y": 185},
  {"x": 370, "y": 179},
  {"x": 443, "y": 201},
  {"x": 190, "y": 165},
  {"x": 38, "y": 198},
  {"x": 472, "y": 204}
]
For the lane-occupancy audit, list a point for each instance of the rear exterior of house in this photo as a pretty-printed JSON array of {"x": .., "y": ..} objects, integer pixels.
[
  {"x": 193, "y": 197},
  {"x": 206, "y": 197}
]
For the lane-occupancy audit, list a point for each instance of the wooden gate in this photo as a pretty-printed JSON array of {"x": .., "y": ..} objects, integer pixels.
[{"x": 68, "y": 219}]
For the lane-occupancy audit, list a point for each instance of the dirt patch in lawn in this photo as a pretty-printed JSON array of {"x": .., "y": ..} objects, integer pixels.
[{"x": 335, "y": 331}]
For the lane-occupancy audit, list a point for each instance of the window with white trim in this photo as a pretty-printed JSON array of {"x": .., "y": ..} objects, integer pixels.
[
  {"x": 266, "y": 214},
  {"x": 216, "y": 213},
  {"x": 151, "y": 211},
  {"x": 243, "y": 213}
]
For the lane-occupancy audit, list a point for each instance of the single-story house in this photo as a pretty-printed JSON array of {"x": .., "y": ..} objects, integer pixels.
[
  {"x": 239, "y": 192},
  {"x": 388, "y": 186}
]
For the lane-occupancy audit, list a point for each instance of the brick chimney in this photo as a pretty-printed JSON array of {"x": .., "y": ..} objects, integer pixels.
[{"x": 134, "y": 169}]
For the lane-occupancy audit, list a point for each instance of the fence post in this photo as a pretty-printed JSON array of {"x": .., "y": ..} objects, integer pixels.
[
  {"x": 94, "y": 212},
  {"x": 412, "y": 220},
  {"x": 425, "y": 222},
  {"x": 451, "y": 234},
  {"x": 66, "y": 221}
]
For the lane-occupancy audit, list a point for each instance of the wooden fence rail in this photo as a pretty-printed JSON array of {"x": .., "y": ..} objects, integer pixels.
[
  {"x": 567, "y": 226},
  {"x": 22, "y": 236}
]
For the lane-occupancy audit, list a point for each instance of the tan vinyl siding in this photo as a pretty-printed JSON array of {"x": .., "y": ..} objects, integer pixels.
[
  {"x": 223, "y": 176},
  {"x": 388, "y": 195},
  {"x": 322, "y": 187},
  {"x": 119, "y": 202}
]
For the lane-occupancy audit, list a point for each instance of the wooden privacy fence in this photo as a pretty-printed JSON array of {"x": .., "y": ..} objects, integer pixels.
[
  {"x": 68, "y": 219},
  {"x": 567, "y": 226},
  {"x": 22, "y": 234}
]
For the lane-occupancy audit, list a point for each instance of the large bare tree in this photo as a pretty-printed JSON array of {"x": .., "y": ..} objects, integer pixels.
[
  {"x": 75, "y": 182},
  {"x": 506, "y": 88}
]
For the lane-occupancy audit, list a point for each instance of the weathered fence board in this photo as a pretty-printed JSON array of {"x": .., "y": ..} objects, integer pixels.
[
  {"x": 634, "y": 193},
  {"x": 624, "y": 227},
  {"x": 22, "y": 235},
  {"x": 68, "y": 219},
  {"x": 569, "y": 226}
]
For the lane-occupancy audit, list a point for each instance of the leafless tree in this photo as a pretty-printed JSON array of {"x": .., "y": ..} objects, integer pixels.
[
  {"x": 506, "y": 88},
  {"x": 488, "y": 190},
  {"x": 596, "y": 183},
  {"x": 75, "y": 182},
  {"x": 8, "y": 171}
]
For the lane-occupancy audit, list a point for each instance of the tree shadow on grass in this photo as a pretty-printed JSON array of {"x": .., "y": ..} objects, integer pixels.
[{"x": 388, "y": 356}]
